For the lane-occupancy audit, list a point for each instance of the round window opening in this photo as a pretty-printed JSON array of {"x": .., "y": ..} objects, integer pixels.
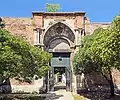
[{"x": 59, "y": 30}]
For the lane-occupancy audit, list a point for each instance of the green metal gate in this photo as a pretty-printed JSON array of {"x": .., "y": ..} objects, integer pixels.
[{"x": 60, "y": 60}]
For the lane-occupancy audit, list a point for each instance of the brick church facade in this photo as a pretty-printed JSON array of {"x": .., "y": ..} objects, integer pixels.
[{"x": 58, "y": 32}]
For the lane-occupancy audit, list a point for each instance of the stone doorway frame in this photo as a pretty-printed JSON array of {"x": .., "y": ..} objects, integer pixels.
[{"x": 71, "y": 42}]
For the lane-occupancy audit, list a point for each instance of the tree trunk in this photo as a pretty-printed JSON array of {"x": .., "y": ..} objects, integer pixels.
[
  {"x": 111, "y": 86},
  {"x": 110, "y": 81}
]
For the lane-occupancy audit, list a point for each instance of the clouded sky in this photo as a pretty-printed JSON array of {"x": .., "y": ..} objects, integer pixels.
[{"x": 96, "y": 10}]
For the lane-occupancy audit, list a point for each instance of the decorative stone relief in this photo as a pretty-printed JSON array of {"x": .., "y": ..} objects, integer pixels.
[
  {"x": 51, "y": 23},
  {"x": 58, "y": 30}
]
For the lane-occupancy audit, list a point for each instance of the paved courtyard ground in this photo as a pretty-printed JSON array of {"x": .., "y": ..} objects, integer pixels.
[{"x": 60, "y": 95}]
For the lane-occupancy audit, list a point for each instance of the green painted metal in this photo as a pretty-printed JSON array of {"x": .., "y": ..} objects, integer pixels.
[{"x": 60, "y": 60}]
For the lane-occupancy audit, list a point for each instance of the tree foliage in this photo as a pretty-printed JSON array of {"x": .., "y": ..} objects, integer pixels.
[
  {"x": 101, "y": 52},
  {"x": 20, "y": 60},
  {"x": 53, "y": 7},
  {"x": 82, "y": 61}
]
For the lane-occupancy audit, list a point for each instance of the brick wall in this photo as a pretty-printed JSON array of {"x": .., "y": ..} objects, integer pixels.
[{"x": 20, "y": 27}]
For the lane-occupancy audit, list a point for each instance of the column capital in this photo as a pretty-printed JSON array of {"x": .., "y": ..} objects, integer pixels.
[
  {"x": 78, "y": 29},
  {"x": 81, "y": 31},
  {"x": 38, "y": 29}
]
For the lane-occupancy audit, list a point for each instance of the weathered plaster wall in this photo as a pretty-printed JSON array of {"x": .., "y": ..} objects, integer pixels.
[
  {"x": 20, "y": 27},
  {"x": 116, "y": 77},
  {"x": 91, "y": 26},
  {"x": 74, "y": 20},
  {"x": 53, "y": 19}
]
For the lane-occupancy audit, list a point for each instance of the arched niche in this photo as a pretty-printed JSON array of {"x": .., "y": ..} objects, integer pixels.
[
  {"x": 59, "y": 32},
  {"x": 58, "y": 43}
]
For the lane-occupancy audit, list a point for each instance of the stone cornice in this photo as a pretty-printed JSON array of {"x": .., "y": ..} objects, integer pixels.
[{"x": 58, "y": 13}]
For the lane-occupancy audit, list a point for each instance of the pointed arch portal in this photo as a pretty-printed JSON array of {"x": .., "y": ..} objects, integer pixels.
[
  {"x": 60, "y": 33},
  {"x": 58, "y": 40}
]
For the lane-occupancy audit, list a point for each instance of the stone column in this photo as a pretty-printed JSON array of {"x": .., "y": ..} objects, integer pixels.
[
  {"x": 36, "y": 36},
  {"x": 72, "y": 73},
  {"x": 82, "y": 35},
  {"x": 76, "y": 35},
  {"x": 78, "y": 38},
  {"x": 73, "y": 85},
  {"x": 82, "y": 81},
  {"x": 42, "y": 38}
]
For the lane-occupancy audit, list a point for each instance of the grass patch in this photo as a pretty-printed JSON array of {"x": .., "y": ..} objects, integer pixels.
[{"x": 78, "y": 97}]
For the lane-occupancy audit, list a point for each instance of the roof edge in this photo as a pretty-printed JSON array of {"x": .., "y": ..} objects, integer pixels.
[{"x": 58, "y": 13}]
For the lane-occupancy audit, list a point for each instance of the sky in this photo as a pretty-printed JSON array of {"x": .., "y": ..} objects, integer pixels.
[{"x": 96, "y": 10}]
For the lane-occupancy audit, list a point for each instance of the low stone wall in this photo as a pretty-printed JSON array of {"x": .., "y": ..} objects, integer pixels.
[
  {"x": 25, "y": 88},
  {"x": 20, "y": 88},
  {"x": 28, "y": 88}
]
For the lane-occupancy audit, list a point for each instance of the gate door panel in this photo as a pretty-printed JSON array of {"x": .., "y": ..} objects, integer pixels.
[{"x": 60, "y": 60}]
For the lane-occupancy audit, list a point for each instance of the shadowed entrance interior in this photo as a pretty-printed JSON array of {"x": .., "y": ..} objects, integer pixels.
[{"x": 59, "y": 78}]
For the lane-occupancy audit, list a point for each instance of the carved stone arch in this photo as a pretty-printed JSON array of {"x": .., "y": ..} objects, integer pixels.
[
  {"x": 54, "y": 23},
  {"x": 57, "y": 42},
  {"x": 58, "y": 30}
]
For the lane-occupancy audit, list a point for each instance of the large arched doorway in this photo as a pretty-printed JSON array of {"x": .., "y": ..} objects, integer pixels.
[{"x": 58, "y": 40}]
